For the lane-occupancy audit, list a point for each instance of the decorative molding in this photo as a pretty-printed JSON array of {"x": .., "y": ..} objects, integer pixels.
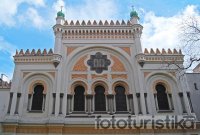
[
  {"x": 101, "y": 83},
  {"x": 78, "y": 83},
  {"x": 70, "y": 49},
  {"x": 25, "y": 73},
  {"x": 163, "y": 82},
  {"x": 94, "y": 76},
  {"x": 146, "y": 74},
  {"x": 34, "y": 83},
  {"x": 81, "y": 129},
  {"x": 123, "y": 84},
  {"x": 101, "y": 30},
  {"x": 163, "y": 56},
  {"x": 76, "y": 76},
  {"x": 173, "y": 73},
  {"x": 38, "y": 59},
  {"x": 98, "y": 62},
  {"x": 80, "y": 65},
  {"x": 123, "y": 76},
  {"x": 118, "y": 66},
  {"x": 53, "y": 74},
  {"x": 126, "y": 49},
  {"x": 95, "y": 23},
  {"x": 33, "y": 53}
]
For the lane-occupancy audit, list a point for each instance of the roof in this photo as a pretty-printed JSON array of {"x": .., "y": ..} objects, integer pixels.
[{"x": 4, "y": 84}]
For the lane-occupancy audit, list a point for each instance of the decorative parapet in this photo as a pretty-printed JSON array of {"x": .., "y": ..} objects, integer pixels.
[
  {"x": 160, "y": 56},
  {"x": 37, "y": 57},
  {"x": 162, "y": 52},
  {"x": 33, "y": 53},
  {"x": 100, "y": 23},
  {"x": 101, "y": 30}
]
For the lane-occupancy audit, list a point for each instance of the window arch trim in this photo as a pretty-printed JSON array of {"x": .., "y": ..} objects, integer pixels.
[
  {"x": 123, "y": 84},
  {"x": 164, "y": 83},
  {"x": 35, "y": 83},
  {"x": 100, "y": 83},
  {"x": 78, "y": 83}
]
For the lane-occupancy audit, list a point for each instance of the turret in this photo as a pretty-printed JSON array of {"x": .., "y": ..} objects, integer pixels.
[
  {"x": 60, "y": 19},
  {"x": 137, "y": 28},
  {"x": 134, "y": 17}
]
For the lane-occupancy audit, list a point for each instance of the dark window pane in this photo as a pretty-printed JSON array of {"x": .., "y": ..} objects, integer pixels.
[
  {"x": 163, "y": 103},
  {"x": 37, "y": 98},
  {"x": 100, "y": 101},
  {"x": 79, "y": 99},
  {"x": 120, "y": 99}
]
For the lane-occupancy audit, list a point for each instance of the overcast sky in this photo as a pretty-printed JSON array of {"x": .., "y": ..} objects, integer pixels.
[{"x": 27, "y": 24}]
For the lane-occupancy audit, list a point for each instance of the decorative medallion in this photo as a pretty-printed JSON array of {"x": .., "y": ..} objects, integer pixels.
[{"x": 98, "y": 62}]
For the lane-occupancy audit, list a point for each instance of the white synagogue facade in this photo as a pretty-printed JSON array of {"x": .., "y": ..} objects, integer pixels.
[{"x": 95, "y": 69}]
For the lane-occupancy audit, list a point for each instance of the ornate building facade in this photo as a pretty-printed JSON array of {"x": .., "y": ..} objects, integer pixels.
[{"x": 95, "y": 69}]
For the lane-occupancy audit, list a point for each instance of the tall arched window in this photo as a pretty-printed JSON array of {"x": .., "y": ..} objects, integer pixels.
[
  {"x": 120, "y": 99},
  {"x": 162, "y": 98},
  {"x": 37, "y": 100},
  {"x": 100, "y": 100},
  {"x": 79, "y": 98}
]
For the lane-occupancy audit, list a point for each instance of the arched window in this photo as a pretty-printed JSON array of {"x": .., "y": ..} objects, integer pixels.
[
  {"x": 79, "y": 98},
  {"x": 37, "y": 100},
  {"x": 120, "y": 99},
  {"x": 162, "y": 98},
  {"x": 100, "y": 101}
]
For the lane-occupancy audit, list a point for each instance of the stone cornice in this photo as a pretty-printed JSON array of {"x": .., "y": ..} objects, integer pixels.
[
  {"x": 36, "y": 57},
  {"x": 165, "y": 57},
  {"x": 101, "y": 30}
]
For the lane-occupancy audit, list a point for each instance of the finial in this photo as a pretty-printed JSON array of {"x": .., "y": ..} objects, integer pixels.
[
  {"x": 132, "y": 7},
  {"x": 61, "y": 8}
]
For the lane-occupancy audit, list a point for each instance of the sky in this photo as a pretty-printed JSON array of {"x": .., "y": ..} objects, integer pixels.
[{"x": 27, "y": 24}]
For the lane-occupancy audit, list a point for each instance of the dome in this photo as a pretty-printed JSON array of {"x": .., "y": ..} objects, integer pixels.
[
  {"x": 60, "y": 14},
  {"x": 133, "y": 14}
]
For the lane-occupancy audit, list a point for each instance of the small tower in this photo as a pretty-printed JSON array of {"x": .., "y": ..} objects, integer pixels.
[
  {"x": 134, "y": 17},
  {"x": 137, "y": 28},
  {"x": 60, "y": 19}
]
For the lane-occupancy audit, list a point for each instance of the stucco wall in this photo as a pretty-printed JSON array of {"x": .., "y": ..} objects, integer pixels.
[
  {"x": 4, "y": 97},
  {"x": 195, "y": 94}
]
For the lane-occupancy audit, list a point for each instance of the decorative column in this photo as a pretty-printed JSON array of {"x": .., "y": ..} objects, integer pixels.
[
  {"x": 146, "y": 103},
  {"x": 131, "y": 104},
  {"x": 190, "y": 102},
  {"x": 10, "y": 102},
  {"x": 137, "y": 50},
  {"x": 139, "y": 103},
  {"x": 171, "y": 101},
  {"x": 182, "y": 102},
  {"x": 58, "y": 50},
  {"x": 61, "y": 103},
  {"x": 54, "y": 102},
  {"x": 89, "y": 102},
  {"x": 110, "y": 99},
  {"x": 69, "y": 104},
  {"x": 14, "y": 89},
  {"x": 17, "y": 103}
]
